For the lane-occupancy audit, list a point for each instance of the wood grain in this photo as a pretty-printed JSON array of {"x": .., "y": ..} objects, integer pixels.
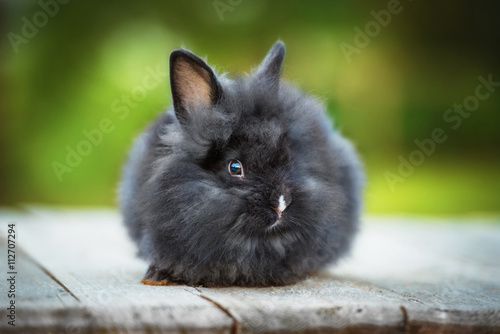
[
  {"x": 92, "y": 256},
  {"x": 405, "y": 274}
]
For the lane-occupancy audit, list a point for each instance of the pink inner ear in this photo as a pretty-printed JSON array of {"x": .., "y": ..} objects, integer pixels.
[{"x": 192, "y": 84}]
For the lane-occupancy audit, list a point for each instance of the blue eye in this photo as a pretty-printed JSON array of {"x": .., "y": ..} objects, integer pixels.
[{"x": 235, "y": 168}]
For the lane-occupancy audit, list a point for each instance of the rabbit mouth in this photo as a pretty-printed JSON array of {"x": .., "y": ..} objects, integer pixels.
[{"x": 276, "y": 223}]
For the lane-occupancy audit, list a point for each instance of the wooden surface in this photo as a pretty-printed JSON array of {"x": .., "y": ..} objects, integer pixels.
[{"x": 77, "y": 273}]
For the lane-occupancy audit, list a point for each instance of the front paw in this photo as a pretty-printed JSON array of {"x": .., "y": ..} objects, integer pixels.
[
  {"x": 157, "y": 277},
  {"x": 164, "y": 282}
]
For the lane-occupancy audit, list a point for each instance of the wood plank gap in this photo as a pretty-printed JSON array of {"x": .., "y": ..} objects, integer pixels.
[
  {"x": 236, "y": 325},
  {"x": 406, "y": 322},
  {"x": 46, "y": 271},
  {"x": 56, "y": 280}
]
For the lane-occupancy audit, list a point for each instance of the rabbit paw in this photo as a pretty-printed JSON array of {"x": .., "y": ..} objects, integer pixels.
[{"x": 157, "y": 277}]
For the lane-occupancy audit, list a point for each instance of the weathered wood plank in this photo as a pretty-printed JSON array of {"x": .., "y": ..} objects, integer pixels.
[
  {"x": 318, "y": 303},
  {"x": 92, "y": 256},
  {"x": 31, "y": 290},
  {"x": 404, "y": 275},
  {"x": 447, "y": 272}
]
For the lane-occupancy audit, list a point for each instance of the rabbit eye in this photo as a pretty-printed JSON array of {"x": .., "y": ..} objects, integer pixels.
[{"x": 235, "y": 168}]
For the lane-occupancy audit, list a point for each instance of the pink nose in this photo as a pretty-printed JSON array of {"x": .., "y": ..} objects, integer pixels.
[{"x": 281, "y": 206}]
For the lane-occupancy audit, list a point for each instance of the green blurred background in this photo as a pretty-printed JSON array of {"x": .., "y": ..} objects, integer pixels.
[{"x": 62, "y": 75}]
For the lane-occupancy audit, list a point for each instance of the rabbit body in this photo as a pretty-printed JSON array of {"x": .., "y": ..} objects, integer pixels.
[{"x": 243, "y": 182}]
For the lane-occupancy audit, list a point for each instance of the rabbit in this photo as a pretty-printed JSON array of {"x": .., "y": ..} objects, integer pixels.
[{"x": 243, "y": 182}]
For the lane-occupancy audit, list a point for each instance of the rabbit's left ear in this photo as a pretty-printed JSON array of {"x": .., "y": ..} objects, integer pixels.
[
  {"x": 270, "y": 67},
  {"x": 193, "y": 83}
]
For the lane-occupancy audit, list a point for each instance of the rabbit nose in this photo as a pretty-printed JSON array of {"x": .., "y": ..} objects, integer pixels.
[{"x": 281, "y": 206}]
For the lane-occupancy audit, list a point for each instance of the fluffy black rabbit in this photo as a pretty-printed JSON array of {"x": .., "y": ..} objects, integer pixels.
[{"x": 243, "y": 182}]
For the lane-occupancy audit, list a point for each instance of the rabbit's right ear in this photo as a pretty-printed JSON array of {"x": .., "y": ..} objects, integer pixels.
[
  {"x": 193, "y": 84},
  {"x": 270, "y": 68}
]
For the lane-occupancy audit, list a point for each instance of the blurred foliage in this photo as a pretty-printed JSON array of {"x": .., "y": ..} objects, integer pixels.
[{"x": 76, "y": 69}]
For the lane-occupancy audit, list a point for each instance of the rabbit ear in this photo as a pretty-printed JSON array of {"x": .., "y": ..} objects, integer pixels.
[
  {"x": 193, "y": 83},
  {"x": 270, "y": 67}
]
